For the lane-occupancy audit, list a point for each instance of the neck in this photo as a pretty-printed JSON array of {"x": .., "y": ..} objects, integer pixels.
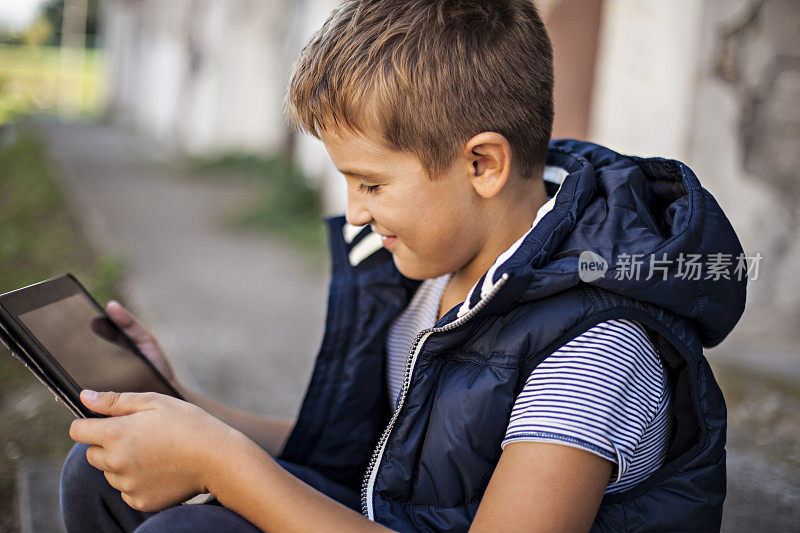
[{"x": 511, "y": 214}]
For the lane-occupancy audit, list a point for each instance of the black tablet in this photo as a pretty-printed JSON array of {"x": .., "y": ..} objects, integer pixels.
[{"x": 67, "y": 340}]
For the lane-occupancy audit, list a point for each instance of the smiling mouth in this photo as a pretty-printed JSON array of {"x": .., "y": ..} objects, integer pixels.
[
  {"x": 388, "y": 241},
  {"x": 385, "y": 239}
]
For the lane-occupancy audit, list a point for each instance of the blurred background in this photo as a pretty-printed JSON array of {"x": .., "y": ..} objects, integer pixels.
[{"x": 143, "y": 147}]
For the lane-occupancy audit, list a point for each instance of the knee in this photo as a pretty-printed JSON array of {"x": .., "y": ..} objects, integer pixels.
[
  {"x": 77, "y": 474},
  {"x": 81, "y": 484},
  {"x": 203, "y": 518},
  {"x": 88, "y": 502}
]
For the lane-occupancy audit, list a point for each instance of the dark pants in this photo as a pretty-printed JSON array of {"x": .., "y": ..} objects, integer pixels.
[{"x": 89, "y": 503}]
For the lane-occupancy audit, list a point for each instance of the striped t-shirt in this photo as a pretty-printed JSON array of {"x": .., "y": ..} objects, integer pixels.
[
  {"x": 605, "y": 391},
  {"x": 420, "y": 314}
]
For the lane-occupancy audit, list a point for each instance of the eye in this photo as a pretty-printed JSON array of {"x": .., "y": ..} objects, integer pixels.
[{"x": 369, "y": 189}]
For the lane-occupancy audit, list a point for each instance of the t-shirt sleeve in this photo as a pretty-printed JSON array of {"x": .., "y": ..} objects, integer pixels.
[{"x": 598, "y": 392}]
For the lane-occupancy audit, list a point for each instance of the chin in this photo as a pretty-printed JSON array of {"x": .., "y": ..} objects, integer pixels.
[{"x": 417, "y": 272}]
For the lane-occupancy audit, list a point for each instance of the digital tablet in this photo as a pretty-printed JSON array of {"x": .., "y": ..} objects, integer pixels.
[{"x": 67, "y": 340}]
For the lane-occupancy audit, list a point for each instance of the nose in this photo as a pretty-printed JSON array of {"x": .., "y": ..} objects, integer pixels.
[{"x": 357, "y": 212}]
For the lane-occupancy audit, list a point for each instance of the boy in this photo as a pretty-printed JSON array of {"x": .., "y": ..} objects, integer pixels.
[{"x": 505, "y": 391}]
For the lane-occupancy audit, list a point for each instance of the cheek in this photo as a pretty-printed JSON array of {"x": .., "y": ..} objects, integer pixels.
[{"x": 444, "y": 229}]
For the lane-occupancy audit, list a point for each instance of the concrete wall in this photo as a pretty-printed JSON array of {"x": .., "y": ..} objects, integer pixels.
[
  {"x": 201, "y": 75},
  {"x": 644, "y": 84},
  {"x": 574, "y": 27},
  {"x": 717, "y": 85},
  {"x": 209, "y": 76},
  {"x": 746, "y": 138},
  {"x": 309, "y": 152}
]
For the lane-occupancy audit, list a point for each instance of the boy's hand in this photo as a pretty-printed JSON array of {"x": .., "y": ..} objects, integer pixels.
[
  {"x": 156, "y": 450},
  {"x": 143, "y": 339}
]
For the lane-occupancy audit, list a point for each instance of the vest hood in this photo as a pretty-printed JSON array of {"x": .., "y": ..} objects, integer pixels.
[{"x": 642, "y": 228}]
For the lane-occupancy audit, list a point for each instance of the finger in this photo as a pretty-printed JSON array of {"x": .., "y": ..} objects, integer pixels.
[
  {"x": 91, "y": 430},
  {"x": 125, "y": 320},
  {"x": 128, "y": 500},
  {"x": 98, "y": 458},
  {"x": 114, "y": 480},
  {"x": 118, "y": 403}
]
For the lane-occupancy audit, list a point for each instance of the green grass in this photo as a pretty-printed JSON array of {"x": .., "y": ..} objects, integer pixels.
[
  {"x": 39, "y": 239},
  {"x": 285, "y": 205},
  {"x": 33, "y": 79}
]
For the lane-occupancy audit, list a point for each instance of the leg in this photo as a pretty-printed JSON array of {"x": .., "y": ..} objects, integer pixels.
[
  {"x": 213, "y": 518},
  {"x": 197, "y": 519},
  {"x": 89, "y": 503}
]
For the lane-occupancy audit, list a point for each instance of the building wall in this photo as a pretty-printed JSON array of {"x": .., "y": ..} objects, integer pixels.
[
  {"x": 201, "y": 75},
  {"x": 647, "y": 60},
  {"x": 209, "y": 76},
  {"x": 745, "y": 140},
  {"x": 574, "y": 27},
  {"x": 309, "y": 152},
  {"x": 716, "y": 83}
]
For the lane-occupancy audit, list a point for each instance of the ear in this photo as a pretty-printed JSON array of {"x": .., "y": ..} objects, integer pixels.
[{"x": 489, "y": 156}]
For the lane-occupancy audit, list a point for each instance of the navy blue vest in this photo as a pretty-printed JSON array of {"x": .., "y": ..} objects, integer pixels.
[{"x": 423, "y": 463}]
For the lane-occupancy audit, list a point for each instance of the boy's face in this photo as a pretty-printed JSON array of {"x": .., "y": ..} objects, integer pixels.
[{"x": 431, "y": 227}]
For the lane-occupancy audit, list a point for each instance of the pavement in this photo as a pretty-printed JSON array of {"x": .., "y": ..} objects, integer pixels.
[{"x": 241, "y": 315}]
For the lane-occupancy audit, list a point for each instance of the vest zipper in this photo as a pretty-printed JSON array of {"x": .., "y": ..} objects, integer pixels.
[{"x": 416, "y": 347}]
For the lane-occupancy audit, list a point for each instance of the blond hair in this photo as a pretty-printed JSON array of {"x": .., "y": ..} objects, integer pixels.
[{"x": 428, "y": 75}]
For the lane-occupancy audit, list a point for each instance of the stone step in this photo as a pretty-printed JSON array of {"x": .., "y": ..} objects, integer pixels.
[
  {"x": 763, "y": 495},
  {"x": 37, "y": 488}
]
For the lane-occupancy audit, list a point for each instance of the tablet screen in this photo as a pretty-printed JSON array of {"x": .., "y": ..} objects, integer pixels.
[{"x": 89, "y": 348}]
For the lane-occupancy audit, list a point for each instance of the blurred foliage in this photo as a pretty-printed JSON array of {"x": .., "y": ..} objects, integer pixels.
[
  {"x": 54, "y": 12},
  {"x": 46, "y": 29},
  {"x": 31, "y": 80},
  {"x": 286, "y": 204},
  {"x": 39, "y": 239},
  {"x": 39, "y": 33}
]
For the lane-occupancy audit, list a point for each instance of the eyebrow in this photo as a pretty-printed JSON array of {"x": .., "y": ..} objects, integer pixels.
[{"x": 361, "y": 173}]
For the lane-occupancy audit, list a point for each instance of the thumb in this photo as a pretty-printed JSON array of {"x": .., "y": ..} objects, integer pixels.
[
  {"x": 125, "y": 320},
  {"x": 115, "y": 403}
]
